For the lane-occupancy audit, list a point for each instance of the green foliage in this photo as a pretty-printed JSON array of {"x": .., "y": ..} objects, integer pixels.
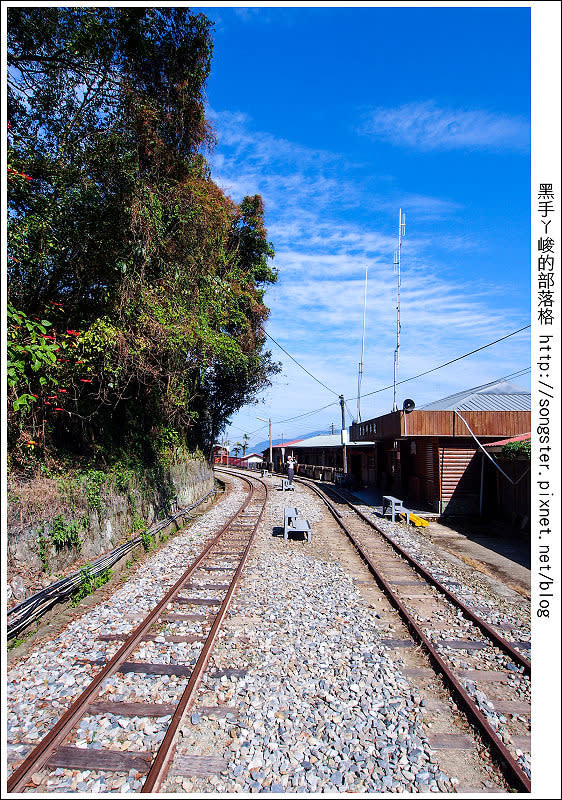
[
  {"x": 513, "y": 450},
  {"x": 13, "y": 643},
  {"x": 61, "y": 535},
  {"x": 89, "y": 583},
  {"x": 147, "y": 540},
  {"x": 65, "y": 534},
  {"x": 94, "y": 480},
  {"x": 123, "y": 477},
  {"x": 154, "y": 279},
  {"x": 42, "y": 543},
  {"x": 138, "y": 524}
]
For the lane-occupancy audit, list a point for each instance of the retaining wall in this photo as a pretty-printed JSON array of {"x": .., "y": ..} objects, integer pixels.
[{"x": 105, "y": 526}]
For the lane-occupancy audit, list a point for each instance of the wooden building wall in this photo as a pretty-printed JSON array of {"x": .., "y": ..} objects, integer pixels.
[
  {"x": 459, "y": 477},
  {"x": 498, "y": 424}
]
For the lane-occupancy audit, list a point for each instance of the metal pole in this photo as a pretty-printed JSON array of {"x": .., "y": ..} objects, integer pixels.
[
  {"x": 270, "y": 448},
  {"x": 344, "y": 448},
  {"x": 482, "y": 484},
  {"x": 360, "y": 375},
  {"x": 401, "y": 230}
]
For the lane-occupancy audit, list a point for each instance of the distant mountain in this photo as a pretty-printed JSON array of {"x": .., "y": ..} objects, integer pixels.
[{"x": 261, "y": 446}]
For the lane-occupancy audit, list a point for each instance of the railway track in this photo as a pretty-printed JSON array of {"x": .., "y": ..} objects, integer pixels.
[
  {"x": 445, "y": 626},
  {"x": 205, "y": 591}
]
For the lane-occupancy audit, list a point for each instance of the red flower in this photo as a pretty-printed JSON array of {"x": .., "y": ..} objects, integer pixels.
[
  {"x": 63, "y": 390},
  {"x": 55, "y": 304},
  {"x": 59, "y": 409},
  {"x": 35, "y": 395},
  {"x": 74, "y": 333},
  {"x": 85, "y": 380},
  {"x": 21, "y": 174},
  {"x": 44, "y": 336}
]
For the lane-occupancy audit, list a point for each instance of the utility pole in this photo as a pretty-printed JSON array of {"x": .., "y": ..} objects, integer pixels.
[
  {"x": 270, "y": 447},
  {"x": 332, "y": 428},
  {"x": 360, "y": 374},
  {"x": 343, "y": 433},
  {"x": 401, "y": 232}
]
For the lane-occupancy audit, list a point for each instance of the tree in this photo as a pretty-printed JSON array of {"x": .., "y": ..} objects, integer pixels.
[
  {"x": 117, "y": 229},
  {"x": 245, "y": 440}
]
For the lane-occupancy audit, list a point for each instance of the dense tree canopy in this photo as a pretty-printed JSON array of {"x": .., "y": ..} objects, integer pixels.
[{"x": 136, "y": 287}]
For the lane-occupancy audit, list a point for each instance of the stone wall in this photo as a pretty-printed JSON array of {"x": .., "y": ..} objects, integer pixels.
[{"x": 106, "y": 526}]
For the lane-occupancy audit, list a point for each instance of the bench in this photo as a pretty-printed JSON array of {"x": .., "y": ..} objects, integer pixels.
[
  {"x": 292, "y": 522},
  {"x": 395, "y": 505},
  {"x": 290, "y": 515},
  {"x": 265, "y": 473},
  {"x": 286, "y": 485},
  {"x": 302, "y": 525}
]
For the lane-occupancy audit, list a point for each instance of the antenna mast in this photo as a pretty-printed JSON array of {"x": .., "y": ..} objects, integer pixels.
[
  {"x": 360, "y": 375},
  {"x": 401, "y": 232}
]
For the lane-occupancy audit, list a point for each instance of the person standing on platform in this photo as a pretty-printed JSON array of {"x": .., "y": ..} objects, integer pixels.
[{"x": 291, "y": 469}]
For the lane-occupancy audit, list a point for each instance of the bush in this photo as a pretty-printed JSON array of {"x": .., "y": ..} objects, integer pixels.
[{"x": 513, "y": 450}]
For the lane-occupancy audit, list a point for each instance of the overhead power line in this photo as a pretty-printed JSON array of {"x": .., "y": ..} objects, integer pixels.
[
  {"x": 307, "y": 413},
  {"x": 516, "y": 374},
  {"x": 447, "y": 363},
  {"x": 405, "y": 380},
  {"x": 299, "y": 364}
]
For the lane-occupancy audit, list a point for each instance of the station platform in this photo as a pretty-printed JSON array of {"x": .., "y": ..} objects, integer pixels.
[{"x": 373, "y": 497}]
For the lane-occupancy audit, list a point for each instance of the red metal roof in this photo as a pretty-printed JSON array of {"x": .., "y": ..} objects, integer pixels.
[
  {"x": 521, "y": 438},
  {"x": 287, "y": 444}
]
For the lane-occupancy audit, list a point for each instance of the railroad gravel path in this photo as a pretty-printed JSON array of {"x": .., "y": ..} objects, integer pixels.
[
  {"x": 504, "y": 609},
  {"x": 324, "y": 706},
  {"x": 41, "y": 686},
  {"x": 321, "y": 703}
]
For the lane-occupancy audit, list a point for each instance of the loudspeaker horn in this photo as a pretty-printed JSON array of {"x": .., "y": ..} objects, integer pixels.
[{"x": 408, "y": 405}]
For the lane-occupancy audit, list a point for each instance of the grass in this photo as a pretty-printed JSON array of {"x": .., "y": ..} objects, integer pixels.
[{"x": 89, "y": 583}]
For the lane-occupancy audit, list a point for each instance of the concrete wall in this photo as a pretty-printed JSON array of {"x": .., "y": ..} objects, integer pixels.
[{"x": 105, "y": 528}]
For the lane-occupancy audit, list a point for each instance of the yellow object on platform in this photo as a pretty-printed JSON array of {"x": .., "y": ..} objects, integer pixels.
[{"x": 419, "y": 522}]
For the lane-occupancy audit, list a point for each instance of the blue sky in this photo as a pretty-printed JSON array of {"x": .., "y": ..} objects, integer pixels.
[{"x": 339, "y": 117}]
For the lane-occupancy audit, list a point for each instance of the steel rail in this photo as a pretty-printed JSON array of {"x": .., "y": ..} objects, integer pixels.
[
  {"x": 511, "y": 767},
  {"x": 165, "y": 753},
  {"x": 54, "y": 738},
  {"x": 498, "y": 640}
]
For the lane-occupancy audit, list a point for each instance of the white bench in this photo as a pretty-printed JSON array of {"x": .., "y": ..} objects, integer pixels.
[
  {"x": 302, "y": 525},
  {"x": 286, "y": 485},
  {"x": 290, "y": 515},
  {"x": 292, "y": 522},
  {"x": 395, "y": 505},
  {"x": 265, "y": 473}
]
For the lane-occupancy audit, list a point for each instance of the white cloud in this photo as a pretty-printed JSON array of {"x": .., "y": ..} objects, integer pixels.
[
  {"x": 328, "y": 219},
  {"x": 425, "y": 126}
]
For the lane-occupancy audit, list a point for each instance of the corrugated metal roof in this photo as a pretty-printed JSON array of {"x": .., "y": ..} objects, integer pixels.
[
  {"x": 324, "y": 440},
  {"x": 496, "y": 396}
]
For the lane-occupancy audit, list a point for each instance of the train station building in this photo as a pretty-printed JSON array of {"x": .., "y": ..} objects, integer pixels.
[{"x": 434, "y": 457}]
